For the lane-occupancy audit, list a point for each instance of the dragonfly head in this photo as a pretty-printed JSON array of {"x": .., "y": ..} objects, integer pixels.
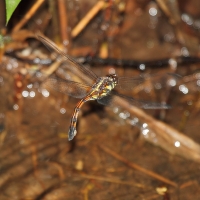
[{"x": 114, "y": 78}]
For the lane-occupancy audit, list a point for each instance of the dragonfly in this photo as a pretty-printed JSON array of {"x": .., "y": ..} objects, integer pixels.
[{"x": 102, "y": 89}]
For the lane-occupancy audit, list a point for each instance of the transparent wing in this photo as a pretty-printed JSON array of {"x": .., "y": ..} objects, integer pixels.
[
  {"x": 111, "y": 97},
  {"x": 128, "y": 83},
  {"x": 161, "y": 80},
  {"x": 61, "y": 55},
  {"x": 71, "y": 88},
  {"x": 107, "y": 100}
]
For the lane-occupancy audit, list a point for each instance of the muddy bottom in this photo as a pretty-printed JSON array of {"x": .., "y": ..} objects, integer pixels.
[
  {"x": 108, "y": 158},
  {"x": 38, "y": 161}
]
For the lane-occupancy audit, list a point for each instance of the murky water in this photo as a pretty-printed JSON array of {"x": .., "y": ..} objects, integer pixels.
[{"x": 38, "y": 162}]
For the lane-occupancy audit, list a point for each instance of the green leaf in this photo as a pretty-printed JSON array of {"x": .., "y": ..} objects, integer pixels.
[
  {"x": 1, "y": 41},
  {"x": 10, "y": 8}
]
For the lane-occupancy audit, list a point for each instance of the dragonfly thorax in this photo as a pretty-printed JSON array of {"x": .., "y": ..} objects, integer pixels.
[{"x": 103, "y": 86}]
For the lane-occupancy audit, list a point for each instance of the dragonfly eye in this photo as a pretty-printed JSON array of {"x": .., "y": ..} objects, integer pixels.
[{"x": 114, "y": 78}]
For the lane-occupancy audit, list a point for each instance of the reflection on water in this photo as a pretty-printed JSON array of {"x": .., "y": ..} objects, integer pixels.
[{"x": 36, "y": 159}]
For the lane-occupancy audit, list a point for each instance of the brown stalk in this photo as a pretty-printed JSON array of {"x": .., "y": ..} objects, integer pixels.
[
  {"x": 54, "y": 18},
  {"x": 82, "y": 24},
  {"x": 137, "y": 167},
  {"x": 28, "y": 15},
  {"x": 112, "y": 180},
  {"x": 172, "y": 11},
  {"x": 50, "y": 70},
  {"x": 59, "y": 168},
  {"x": 63, "y": 20},
  {"x": 188, "y": 184},
  {"x": 165, "y": 134}
]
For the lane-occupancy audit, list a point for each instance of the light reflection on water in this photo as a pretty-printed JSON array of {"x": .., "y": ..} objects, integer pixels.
[
  {"x": 148, "y": 134},
  {"x": 15, "y": 106},
  {"x": 45, "y": 93},
  {"x": 62, "y": 110},
  {"x": 32, "y": 94},
  {"x": 25, "y": 93},
  {"x": 183, "y": 89}
]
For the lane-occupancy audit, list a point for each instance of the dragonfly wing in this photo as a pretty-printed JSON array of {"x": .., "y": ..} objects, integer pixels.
[
  {"x": 129, "y": 83},
  {"x": 148, "y": 80},
  {"x": 107, "y": 100},
  {"x": 110, "y": 100},
  {"x": 142, "y": 103},
  {"x": 61, "y": 55},
  {"x": 71, "y": 88}
]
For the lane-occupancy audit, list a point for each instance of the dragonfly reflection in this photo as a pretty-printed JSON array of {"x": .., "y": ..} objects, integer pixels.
[{"x": 96, "y": 88}]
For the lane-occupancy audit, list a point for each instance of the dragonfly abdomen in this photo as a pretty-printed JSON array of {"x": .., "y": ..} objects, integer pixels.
[{"x": 72, "y": 129}]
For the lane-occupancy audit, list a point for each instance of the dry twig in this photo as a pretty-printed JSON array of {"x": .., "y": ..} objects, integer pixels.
[
  {"x": 166, "y": 135},
  {"x": 28, "y": 15},
  {"x": 113, "y": 180},
  {"x": 81, "y": 25},
  {"x": 137, "y": 167},
  {"x": 171, "y": 10},
  {"x": 63, "y": 20}
]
